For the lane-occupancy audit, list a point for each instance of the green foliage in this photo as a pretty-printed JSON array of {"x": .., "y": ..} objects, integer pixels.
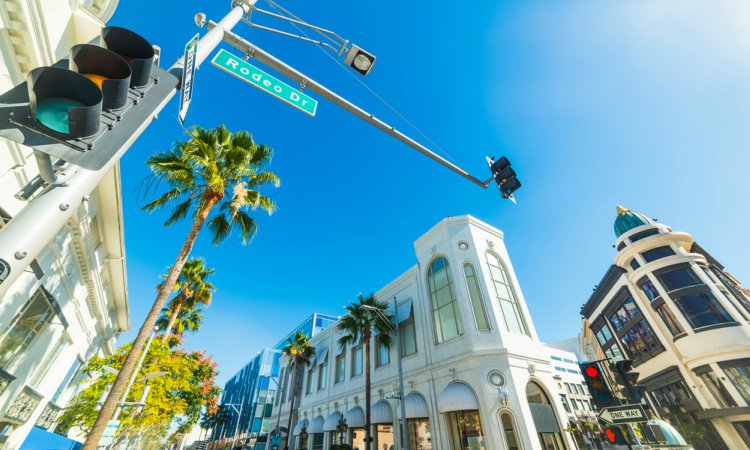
[
  {"x": 368, "y": 317},
  {"x": 179, "y": 396}
]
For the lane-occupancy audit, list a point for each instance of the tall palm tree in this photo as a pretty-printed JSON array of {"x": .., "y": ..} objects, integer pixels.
[
  {"x": 365, "y": 317},
  {"x": 211, "y": 168},
  {"x": 193, "y": 288},
  {"x": 188, "y": 320},
  {"x": 300, "y": 353}
]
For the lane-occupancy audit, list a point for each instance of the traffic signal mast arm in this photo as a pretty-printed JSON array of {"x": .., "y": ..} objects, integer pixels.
[{"x": 269, "y": 60}]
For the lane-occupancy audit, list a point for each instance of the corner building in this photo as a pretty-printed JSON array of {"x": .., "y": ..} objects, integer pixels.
[
  {"x": 475, "y": 374},
  {"x": 670, "y": 306}
]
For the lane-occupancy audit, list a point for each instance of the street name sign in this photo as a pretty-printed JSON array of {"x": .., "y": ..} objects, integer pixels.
[
  {"x": 623, "y": 414},
  {"x": 255, "y": 77},
  {"x": 188, "y": 74},
  {"x": 109, "y": 433}
]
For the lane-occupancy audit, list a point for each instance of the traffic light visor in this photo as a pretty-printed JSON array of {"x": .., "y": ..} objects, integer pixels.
[
  {"x": 500, "y": 164},
  {"x": 134, "y": 49},
  {"x": 106, "y": 69},
  {"x": 65, "y": 102}
]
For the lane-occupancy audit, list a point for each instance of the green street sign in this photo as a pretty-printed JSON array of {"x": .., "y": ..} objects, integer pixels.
[{"x": 255, "y": 77}]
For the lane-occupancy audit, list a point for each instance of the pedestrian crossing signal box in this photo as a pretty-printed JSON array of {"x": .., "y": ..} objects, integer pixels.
[{"x": 86, "y": 107}]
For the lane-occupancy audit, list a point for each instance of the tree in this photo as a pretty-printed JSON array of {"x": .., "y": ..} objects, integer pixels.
[
  {"x": 300, "y": 352},
  {"x": 187, "y": 388},
  {"x": 193, "y": 288},
  {"x": 213, "y": 167},
  {"x": 365, "y": 317},
  {"x": 188, "y": 320}
]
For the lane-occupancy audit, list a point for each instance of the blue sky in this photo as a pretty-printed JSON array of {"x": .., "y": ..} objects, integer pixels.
[{"x": 644, "y": 103}]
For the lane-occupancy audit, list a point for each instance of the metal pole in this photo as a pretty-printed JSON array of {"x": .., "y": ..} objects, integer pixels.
[
  {"x": 27, "y": 234},
  {"x": 237, "y": 427},
  {"x": 134, "y": 375},
  {"x": 404, "y": 443},
  {"x": 266, "y": 58}
]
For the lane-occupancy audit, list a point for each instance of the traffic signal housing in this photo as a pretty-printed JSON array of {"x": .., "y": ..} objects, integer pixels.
[
  {"x": 629, "y": 380},
  {"x": 615, "y": 435},
  {"x": 504, "y": 176},
  {"x": 599, "y": 388}
]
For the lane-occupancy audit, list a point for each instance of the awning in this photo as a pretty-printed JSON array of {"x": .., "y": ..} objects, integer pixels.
[
  {"x": 298, "y": 428},
  {"x": 316, "y": 426},
  {"x": 405, "y": 311},
  {"x": 416, "y": 406},
  {"x": 355, "y": 418},
  {"x": 457, "y": 397},
  {"x": 332, "y": 421},
  {"x": 544, "y": 418},
  {"x": 321, "y": 356},
  {"x": 381, "y": 413}
]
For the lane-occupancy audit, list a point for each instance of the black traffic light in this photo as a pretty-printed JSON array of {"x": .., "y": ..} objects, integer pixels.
[
  {"x": 615, "y": 435},
  {"x": 504, "y": 176},
  {"x": 629, "y": 380},
  {"x": 599, "y": 388},
  {"x": 87, "y": 107}
]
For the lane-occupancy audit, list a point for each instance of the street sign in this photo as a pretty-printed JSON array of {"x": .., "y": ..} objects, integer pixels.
[
  {"x": 623, "y": 414},
  {"x": 255, "y": 77},
  {"x": 188, "y": 75},
  {"x": 109, "y": 433}
]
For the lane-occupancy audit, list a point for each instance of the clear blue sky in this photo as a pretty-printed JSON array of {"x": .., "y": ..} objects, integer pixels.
[{"x": 644, "y": 103}]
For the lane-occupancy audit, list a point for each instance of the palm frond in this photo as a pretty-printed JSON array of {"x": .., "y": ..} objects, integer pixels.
[
  {"x": 220, "y": 228},
  {"x": 248, "y": 226},
  {"x": 162, "y": 200},
  {"x": 179, "y": 212}
]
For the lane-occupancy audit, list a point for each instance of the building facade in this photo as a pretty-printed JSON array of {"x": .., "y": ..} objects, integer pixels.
[
  {"x": 670, "y": 306},
  {"x": 249, "y": 395},
  {"x": 475, "y": 374},
  {"x": 71, "y": 302}
]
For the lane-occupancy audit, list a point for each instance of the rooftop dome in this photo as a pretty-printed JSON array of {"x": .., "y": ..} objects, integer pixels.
[{"x": 627, "y": 220}]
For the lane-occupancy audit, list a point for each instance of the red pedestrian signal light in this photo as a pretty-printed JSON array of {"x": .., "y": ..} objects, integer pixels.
[
  {"x": 615, "y": 435},
  {"x": 591, "y": 372}
]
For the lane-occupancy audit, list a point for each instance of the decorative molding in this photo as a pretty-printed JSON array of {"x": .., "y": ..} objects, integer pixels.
[
  {"x": 47, "y": 419},
  {"x": 490, "y": 244},
  {"x": 24, "y": 405},
  {"x": 532, "y": 369},
  {"x": 433, "y": 249},
  {"x": 453, "y": 373}
]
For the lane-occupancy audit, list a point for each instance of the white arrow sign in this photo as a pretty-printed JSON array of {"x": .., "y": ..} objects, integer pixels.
[{"x": 623, "y": 414}]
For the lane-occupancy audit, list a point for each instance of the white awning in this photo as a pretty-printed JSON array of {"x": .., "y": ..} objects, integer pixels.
[
  {"x": 457, "y": 397},
  {"x": 332, "y": 421},
  {"x": 415, "y": 406},
  {"x": 405, "y": 311},
  {"x": 316, "y": 426},
  {"x": 298, "y": 428},
  {"x": 381, "y": 413},
  {"x": 321, "y": 356},
  {"x": 355, "y": 418}
]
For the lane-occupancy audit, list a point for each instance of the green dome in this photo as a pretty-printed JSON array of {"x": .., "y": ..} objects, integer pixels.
[{"x": 627, "y": 220}]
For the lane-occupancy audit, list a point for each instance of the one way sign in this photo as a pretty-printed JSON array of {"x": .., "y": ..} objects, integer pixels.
[{"x": 623, "y": 414}]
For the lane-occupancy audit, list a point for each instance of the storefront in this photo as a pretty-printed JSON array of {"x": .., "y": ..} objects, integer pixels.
[
  {"x": 545, "y": 420},
  {"x": 461, "y": 409},
  {"x": 381, "y": 417},
  {"x": 355, "y": 420},
  {"x": 417, "y": 422}
]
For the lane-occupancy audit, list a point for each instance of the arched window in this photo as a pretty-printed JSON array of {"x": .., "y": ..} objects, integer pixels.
[
  {"x": 506, "y": 295},
  {"x": 545, "y": 420},
  {"x": 509, "y": 431},
  {"x": 445, "y": 311},
  {"x": 475, "y": 295}
]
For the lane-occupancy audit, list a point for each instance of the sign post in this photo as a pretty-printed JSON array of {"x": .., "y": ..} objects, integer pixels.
[
  {"x": 188, "y": 74},
  {"x": 255, "y": 77},
  {"x": 623, "y": 414}
]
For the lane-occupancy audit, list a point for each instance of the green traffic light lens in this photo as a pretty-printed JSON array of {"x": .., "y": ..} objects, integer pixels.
[{"x": 53, "y": 113}]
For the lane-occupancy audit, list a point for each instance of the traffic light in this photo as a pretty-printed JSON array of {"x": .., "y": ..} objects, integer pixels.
[
  {"x": 629, "y": 380},
  {"x": 601, "y": 393},
  {"x": 615, "y": 435},
  {"x": 85, "y": 108},
  {"x": 504, "y": 176}
]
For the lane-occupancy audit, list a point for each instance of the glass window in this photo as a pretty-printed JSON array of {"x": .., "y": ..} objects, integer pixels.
[
  {"x": 445, "y": 311},
  {"x": 340, "y": 367},
  {"x": 702, "y": 310},
  {"x": 603, "y": 335},
  {"x": 639, "y": 339},
  {"x": 322, "y": 375},
  {"x": 740, "y": 377},
  {"x": 383, "y": 355},
  {"x": 718, "y": 390},
  {"x": 27, "y": 324},
  {"x": 624, "y": 314},
  {"x": 678, "y": 278},
  {"x": 383, "y": 436},
  {"x": 408, "y": 337},
  {"x": 669, "y": 321},
  {"x": 475, "y": 294},
  {"x": 709, "y": 274},
  {"x": 657, "y": 253},
  {"x": 317, "y": 439},
  {"x": 565, "y": 403},
  {"x": 650, "y": 290},
  {"x": 511, "y": 441},
  {"x": 357, "y": 360},
  {"x": 466, "y": 430},
  {"x": 309, "y": 381},
  {"x": 614, "y": 353},
  {"x": 634, "y": 264},
  {"x": 506, "y": 295},
  {"x": 567, "y": 388},
  {"x": 419, "y": 434},
  {"x": 302, "y": 442},
  {"x": 643, "y": 234}
]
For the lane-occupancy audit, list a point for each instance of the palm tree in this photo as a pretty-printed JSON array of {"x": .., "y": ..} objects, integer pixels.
[
  {"x": 212, "y": 168},
  {"x": 300, "y": 353},
  {"x": 358, "y": 325},
  {"x": 188, "y": 320},
  {"x": 193, "y": 288}
]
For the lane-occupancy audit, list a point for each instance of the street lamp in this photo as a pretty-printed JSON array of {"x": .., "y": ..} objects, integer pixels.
[{"x": 396, "y": 331}]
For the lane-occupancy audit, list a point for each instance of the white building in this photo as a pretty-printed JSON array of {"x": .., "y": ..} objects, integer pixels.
[
  {"x": 71, "y": 302},
  {"x": 475, "y": 374},
  {"x": 668, "y": 305}
]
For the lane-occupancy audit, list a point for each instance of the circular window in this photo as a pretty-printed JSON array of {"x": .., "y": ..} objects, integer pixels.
[
  {"x": 463, "y": 245},
  {"x": 496, "y": 378}
]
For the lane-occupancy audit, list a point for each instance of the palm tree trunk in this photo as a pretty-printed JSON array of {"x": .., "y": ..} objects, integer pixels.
[
  {"x": 368, "y": 426},
  {"x": 108, "y": 408},
  {"x": 173, "y": 318},
  {"x": 293, "y": 384}
]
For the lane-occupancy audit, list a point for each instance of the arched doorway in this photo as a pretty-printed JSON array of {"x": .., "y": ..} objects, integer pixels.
[
  {"x": 461, "y": 409},
  {"x": 545, "y": 419}
]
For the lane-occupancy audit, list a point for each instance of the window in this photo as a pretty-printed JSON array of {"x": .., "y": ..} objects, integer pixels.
[
  {"x": 340, "y": 367},
  {"x": 72, "y": 372},
  {"x": 657, "y": 253},
  {"x": 740, "y": 376},
  {"x": 634, "y": 264},
  {"x": 475, "y": 294},
  {"x": 357, "y": 360},
  {"x": 445, "y": 311},
  {"x": 579, "y": 388},
  {"x": 702, "y": 310},
  {"x": 308, "y": 383},
  {"x": 614, "y": 353},
  {"x": 506, "y": 295},
  {"x": 27, "y": 324},
  {"x": 603, "y": 335},
  {"x": 718, "y": 390},
  {"x": 624, "y": 314},
  {"x": 678, "y": 278},
  {"x": 419, "y": 434},
  {"x": 317, "y": 441},
  {"x": 466, "y": 430},
  {"x": 649, "y": 289},
  {"x": 322, "y": 374},
  {"x": 511, "y": 441},
  {"x": 670, "y": 395},
  {"x": 556, "y": 358},
  {"x": 408, "y": 336},
  {"x": 639, "y": 339},
  {"x": 743, "y": 429},
  {"x": 621, "y": 246},
  {"x": 708, "y": 273},
  {"x": 669, "y": 321},
  {"x": 567, "y": 388},
  {"x": 643, "y": 234},
  {"x": 384, "y": 354},
  {"x": 565, "y": 403}
]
